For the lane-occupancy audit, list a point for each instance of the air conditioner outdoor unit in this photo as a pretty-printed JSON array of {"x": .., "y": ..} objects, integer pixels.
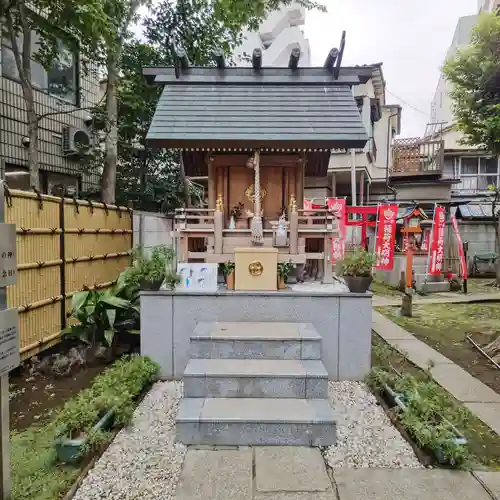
[{"x": 76, "y": 141}]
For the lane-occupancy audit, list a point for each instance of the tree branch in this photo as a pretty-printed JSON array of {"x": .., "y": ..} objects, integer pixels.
[
  {"x": 15, "y": 49},
  {"x": 68, "y": 111}
]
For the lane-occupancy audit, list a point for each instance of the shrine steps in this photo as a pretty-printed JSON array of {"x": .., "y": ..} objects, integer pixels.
[{"x": 256, "y": 384}]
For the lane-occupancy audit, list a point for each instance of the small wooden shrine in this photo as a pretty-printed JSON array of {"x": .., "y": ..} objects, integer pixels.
[{"x": 255, "y": 134}]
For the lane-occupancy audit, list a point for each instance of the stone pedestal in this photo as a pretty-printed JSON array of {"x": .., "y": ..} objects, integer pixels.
[{"x": 256, "y": 269}]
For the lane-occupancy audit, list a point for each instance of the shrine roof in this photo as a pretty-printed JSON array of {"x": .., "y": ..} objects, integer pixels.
[{"x": 272, "y": 107}]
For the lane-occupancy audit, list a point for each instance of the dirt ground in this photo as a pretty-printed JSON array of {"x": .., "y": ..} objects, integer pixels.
[
  {"x": 445, "y": 327},
  {"x": 34, "y": 397}
]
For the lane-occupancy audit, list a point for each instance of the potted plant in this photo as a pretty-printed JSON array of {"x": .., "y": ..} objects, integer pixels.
[
  {"x": 148, "y": 272},
  {"x": 284, "y": 270},
  {"x": 228, "y": 272},
  {"x": 357, "y": 270},
  {"x": 236, "y": 212}
]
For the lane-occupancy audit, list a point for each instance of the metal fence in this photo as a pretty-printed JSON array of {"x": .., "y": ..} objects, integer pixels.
[{"x": 63, "y": 246}]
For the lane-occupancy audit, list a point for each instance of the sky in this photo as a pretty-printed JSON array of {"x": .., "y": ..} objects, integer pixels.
[{"x": 410, "y": 38}]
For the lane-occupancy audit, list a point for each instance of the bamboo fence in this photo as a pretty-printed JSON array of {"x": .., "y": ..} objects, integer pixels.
[{"x": 63, "y": 246}]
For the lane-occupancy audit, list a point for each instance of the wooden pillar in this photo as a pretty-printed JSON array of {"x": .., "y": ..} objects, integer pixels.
[
  {"x": 212, "y": 183},
  {"x": 327, "y": 261},
  {"x": 300, "y": 183},
  {"x": 218, "y": 227},
  {"x": 294, "y": 233}
]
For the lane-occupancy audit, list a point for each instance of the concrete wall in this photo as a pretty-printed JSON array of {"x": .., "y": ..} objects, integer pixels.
[
  {"x": 343, "y": 321},
  {"x": 152, "y": 229}
]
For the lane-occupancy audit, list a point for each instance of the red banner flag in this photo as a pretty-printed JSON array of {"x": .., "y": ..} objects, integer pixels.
[
  {"x": 437, "y": 246},
  {"x": 337, "y": 207},
  {"x": 463, "y": 263},
  {"x": 386, "y": 234},
  {"x": 337, "y": 250},
  {"x": 308, "y": 205}
]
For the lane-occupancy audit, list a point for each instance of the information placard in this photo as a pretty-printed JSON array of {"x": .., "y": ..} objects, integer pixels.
[
  {"x": 8, "y": 264},
  {"x": 9, "y": 340}
]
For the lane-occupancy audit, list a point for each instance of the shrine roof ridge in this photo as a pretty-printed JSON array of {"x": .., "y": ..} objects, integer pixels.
[{"x": 234, "y": 75}]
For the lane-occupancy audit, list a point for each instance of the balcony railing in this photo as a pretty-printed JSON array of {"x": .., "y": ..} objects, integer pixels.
[{"x": 415, "y": 156}]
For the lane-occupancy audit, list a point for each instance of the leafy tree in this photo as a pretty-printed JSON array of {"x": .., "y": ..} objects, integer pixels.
[
  {"x": 474, "y": 73},
  {"x": 85, "y": 23}
]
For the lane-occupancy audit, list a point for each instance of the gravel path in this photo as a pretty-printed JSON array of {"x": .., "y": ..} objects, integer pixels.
[
  {"x": 143, "y": 462},
  {"x": 365, "y": 435}
]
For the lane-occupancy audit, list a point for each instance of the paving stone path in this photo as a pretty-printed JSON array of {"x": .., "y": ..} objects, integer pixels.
[{"x": 298, "y": 473}]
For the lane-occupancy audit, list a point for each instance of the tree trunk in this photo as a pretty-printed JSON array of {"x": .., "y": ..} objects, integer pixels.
[
  {"x": 497, "y": 250},
  {"x": 108, "y": 182},
  {"x": 33, "y": 160}
]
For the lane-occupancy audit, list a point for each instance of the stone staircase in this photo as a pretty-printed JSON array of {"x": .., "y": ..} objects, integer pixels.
[{"x": 255, "y": 384}]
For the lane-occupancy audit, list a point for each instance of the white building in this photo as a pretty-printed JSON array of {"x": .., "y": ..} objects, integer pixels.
[
  {"x": 278, "y": 35},
  {"x": 441, "y": 111}
]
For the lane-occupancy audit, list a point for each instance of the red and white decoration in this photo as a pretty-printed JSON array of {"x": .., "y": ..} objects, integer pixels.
[
  {"x": 437, "y": 247},
  {"x": 337, "y": 207},
  {"x": 426, "y": 240},
  {"x": 463, "y": 263},
  {"x": 386, "y": 234},
  {"x": 308, "y": 205}
]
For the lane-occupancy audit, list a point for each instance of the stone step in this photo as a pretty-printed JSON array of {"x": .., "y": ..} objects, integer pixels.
[
  {"x": 247, "y": 340},
  {"x": 256, "y": 421},
  {"x": 255, "y": 378}
]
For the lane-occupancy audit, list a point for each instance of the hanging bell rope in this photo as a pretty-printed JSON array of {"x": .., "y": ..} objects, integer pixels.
[{"x": 256, "y": 226}]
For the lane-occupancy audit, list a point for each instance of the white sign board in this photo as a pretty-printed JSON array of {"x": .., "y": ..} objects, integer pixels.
[
  {"x": 197, "y": 277},
  {"x": 8, "y": 264},
  {"x": 9, "y": 340}
]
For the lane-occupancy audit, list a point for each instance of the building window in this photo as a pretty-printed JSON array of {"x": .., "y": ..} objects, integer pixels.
[
  {"x": 477, "y": 173},
  {"x": 60, "y": 80},
  {"x": 17, "y": 177}
]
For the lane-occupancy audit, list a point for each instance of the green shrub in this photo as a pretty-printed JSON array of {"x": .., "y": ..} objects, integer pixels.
[
  {"x": 359, "y": 263},
  {"x": 114, "y": 390},
  {"x": 151, "y": 268}
]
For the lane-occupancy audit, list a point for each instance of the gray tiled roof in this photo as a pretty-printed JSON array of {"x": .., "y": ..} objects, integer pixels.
[{"x": 321, "y": 116}]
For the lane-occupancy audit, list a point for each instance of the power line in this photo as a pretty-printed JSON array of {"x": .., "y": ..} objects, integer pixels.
[{"x": 407, "y": 103}]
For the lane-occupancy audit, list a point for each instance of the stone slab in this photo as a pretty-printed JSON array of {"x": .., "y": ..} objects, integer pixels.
[
  {"x": 489, "y": 413},
  {"x": 387, "y": 329},
  {"x": 419, "y": 352},
  {"x": 252, "y": 330},
  {"x": 462, "y": 385},
  {"x": 490, "y": 480},
  {"x": 216, "y": 475},
  {"x": 218, "y": 386},
  {"x": 290, "y": 469},
  {"x": 355, "y": 334},
  {"x": 287, "y": 368},
  {"x": 407, "y": 484},
  {"x": 296, "y": 495}
]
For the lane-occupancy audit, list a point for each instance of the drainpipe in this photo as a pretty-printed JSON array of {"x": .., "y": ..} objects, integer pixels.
[{"x": 387, "y": 158}]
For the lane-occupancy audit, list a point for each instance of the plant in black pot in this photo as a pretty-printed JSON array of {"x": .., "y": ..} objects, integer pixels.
[
  {"x": 357, "y": 270},
  {"x": 228, "y": 272}
]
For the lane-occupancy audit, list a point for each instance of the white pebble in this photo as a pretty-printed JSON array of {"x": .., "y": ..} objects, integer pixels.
[
  {"x": 365, "y": 435},
  {"x": 144, "y": 461}
]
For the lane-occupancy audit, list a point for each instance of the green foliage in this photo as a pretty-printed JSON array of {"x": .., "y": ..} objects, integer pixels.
[
  {"x": 428, "y": 411},
  {"x": 115, "y": 390},
  {"x": 34, "y": 473},
  {"x": 474, "y": 73},
  {"x": 101, "y": 314},
  {"x": 148, "y": 269},
  {"x": 285, "y": 269},
  {"x": 359, "y": 263},
  {"x": 227, "y": 268}
]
